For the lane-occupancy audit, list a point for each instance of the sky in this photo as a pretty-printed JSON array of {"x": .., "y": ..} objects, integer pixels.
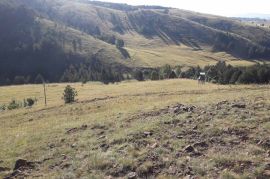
[{"x": 217, "y": 7}]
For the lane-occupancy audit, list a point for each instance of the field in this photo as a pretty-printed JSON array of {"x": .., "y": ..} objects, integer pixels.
[{"x": 173, "y": 128}]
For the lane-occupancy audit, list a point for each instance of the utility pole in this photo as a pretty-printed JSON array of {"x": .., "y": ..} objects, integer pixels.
[{"x": 45, "y": 96}]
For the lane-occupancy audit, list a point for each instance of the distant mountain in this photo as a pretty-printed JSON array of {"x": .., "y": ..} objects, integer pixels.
[
  {"x": 254, "y": 15},
  {"x": 78, "y": 40}
]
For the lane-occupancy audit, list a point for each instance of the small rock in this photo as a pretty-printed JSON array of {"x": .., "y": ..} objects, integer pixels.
[
  {"x": 178, "y": 154},
  {"x": 189, "y": 149},
  {"x": 201, "y": 144},
  {"x": 268, "y": 153},
  {"x": 237, "y": 105},
  {"x": 222, "y": 102},
  {"x": 189, "y": 117},
  {"x": 104, "y": 147},
  {"x": 167, "y": 122},
  {"x": 267, "y": 166},
  {"x": 175, "y": 109},
  {"x": 84, "y": 127},
  {"x": 21, "y": 163},
  {"x": 3, "y": 169},
  {"x": 62, "y": 140},
  {"x": 266, "y": 173},
  {"x": 102, "y": 137},
  {"x": 148, "y": 133},
  {"x": 73, "y": 145},
  {"x": 172, "y": 170},
  {"x": 51, "y": 146},
  {"x": 188, "y": 177},
  {"x": 179, "y": 137},
  {"x": 132, "y": 175},
  {"x": 65, "y": 165},
  {"x": 72, "y": 130},
  {"x": 154, "y": 145},
  {"x": 260, "y": 142},
  {"x": 64, "y": 156}
]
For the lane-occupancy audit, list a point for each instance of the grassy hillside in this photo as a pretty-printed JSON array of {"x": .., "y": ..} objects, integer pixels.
[
  {"x": 114, "y": 130},
  {"x": 47, "y": 37}
]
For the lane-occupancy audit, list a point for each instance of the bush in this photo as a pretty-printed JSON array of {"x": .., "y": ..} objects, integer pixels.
[
  {"x": 30, "y": 101},
  {"x": 69, "y": 94},
  {"x": 13, "y": 105},
  {"x": 2, "y": 107}
]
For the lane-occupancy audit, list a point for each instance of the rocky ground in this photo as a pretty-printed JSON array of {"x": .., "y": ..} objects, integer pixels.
[{"x": 228, "y": 139}]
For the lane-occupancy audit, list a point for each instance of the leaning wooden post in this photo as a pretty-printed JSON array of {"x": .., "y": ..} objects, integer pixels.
[{"x": 45, "y": 96}]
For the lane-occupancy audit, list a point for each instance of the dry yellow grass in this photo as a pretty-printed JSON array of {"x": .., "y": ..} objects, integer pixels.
[
  {"x": 26, "y": 133},
  {"x": 180, "y": 55}
]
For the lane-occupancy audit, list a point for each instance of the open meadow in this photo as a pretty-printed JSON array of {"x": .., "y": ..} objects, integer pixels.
[{"x": 131, "y": 129}]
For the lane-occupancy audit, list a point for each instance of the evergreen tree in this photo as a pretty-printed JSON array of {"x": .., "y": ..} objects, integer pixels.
[
  {"x": 166, "y": 71},
  {"x": 74, "y": 44},
  {"x": 172, "y": 75},
  {"x": 178, "y": 71},
  {"x": 119, "y": 43},
  {"x": 69, "y": 94},
  {"x": 154, "y": 75},
  {"x": 39, "y": 79},
  {"x": 138, "y": 75},
  {"x": 18, "y": 80}
]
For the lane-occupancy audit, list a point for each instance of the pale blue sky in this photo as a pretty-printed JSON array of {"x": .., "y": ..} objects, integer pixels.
[{"x": 218, "y": 7}]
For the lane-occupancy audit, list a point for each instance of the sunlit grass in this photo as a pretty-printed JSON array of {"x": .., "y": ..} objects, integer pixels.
[{"x": 26, "y": 133}]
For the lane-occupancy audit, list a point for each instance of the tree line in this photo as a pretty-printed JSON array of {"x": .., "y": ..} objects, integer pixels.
[{"x": 220, "y": 73}]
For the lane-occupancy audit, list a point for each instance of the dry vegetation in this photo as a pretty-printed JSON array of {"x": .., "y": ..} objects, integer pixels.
[
  {"x": 180, "y": 55},
  {"x": 149, "y": 129}
]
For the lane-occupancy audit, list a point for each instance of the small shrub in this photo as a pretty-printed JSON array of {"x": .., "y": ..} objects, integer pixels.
[
  {"x": 3, "y": 107},
  {"x": 69, "y": 94},
  {"x": 13, "y": 105},
  {"x": 30, "y": 101},
  {"x": 145, "y": 169}
]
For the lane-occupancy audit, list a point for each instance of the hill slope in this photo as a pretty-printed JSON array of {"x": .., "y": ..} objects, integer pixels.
[
  {"x": 208, "y": 131},
  {"x": 46, "y": 37}
]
